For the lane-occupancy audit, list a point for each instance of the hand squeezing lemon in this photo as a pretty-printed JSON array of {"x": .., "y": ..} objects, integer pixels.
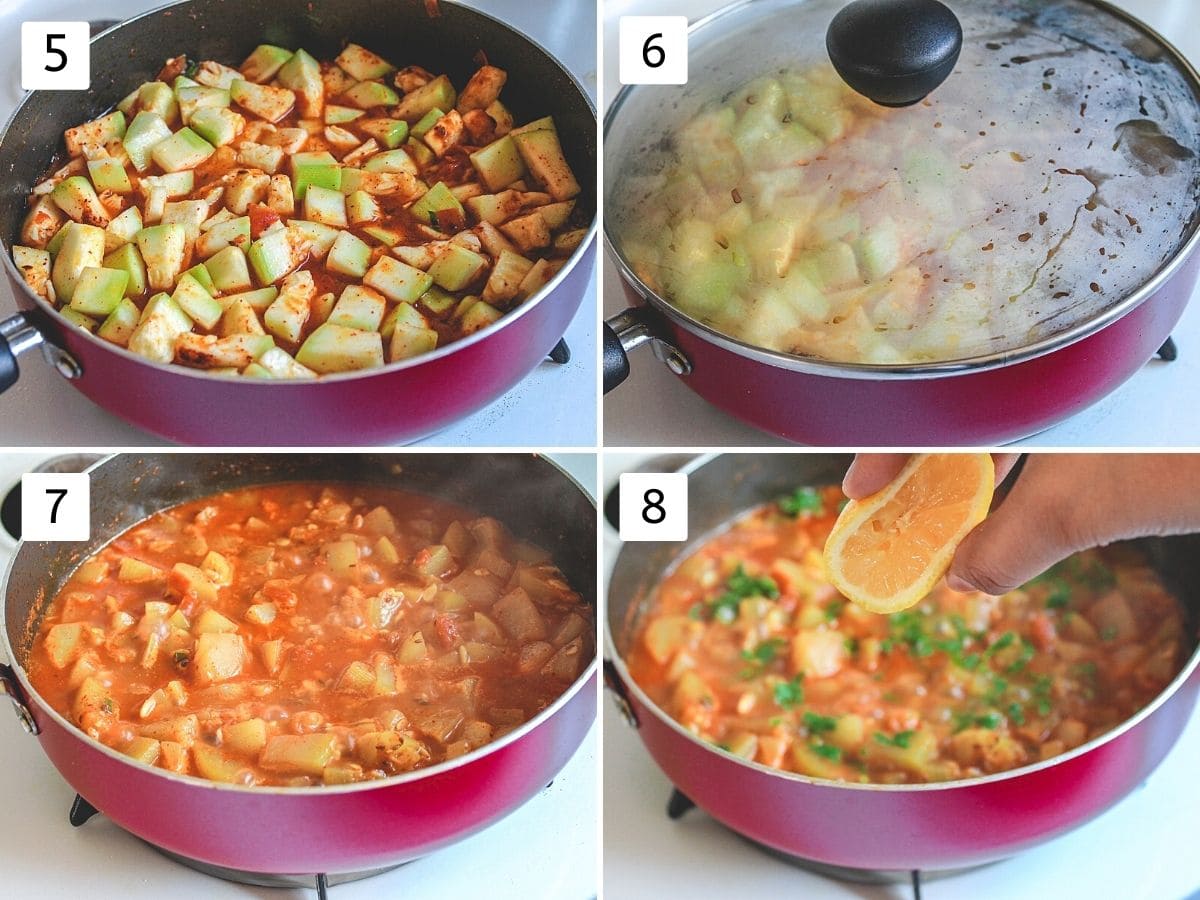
[{"x": 887, "y": 551}]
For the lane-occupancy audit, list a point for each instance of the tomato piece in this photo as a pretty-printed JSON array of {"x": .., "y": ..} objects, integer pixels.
[
  {"x": 447, "y": 630},
  {"x": 1042, "y": 631},
  {"x": 261, "y": 218}
]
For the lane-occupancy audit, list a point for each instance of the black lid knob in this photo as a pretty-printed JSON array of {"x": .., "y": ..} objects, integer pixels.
[{"x": 894, "y": 52}]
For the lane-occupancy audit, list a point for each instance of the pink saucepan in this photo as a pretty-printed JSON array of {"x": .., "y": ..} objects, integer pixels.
[
  {"x": 400, "y": 402},
  {"x": 1034, "y": 68},
  {"x": 339, "y": 829},
  {"x": 874, "y": 826}
]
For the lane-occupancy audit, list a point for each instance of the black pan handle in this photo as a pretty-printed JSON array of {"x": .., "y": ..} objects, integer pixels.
[
  {"x": 9, "y": 373},
  {"x": 894, "y": 52},
  {"x": 616, "y": 362},
  {"x": 16, "y": 336},
  {"x": 10, "y": 687},
  {"x": 629, "y": 329},
  {"x": 612, "y": 681}
]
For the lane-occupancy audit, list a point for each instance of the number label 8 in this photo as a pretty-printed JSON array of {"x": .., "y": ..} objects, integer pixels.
[{"x": 654, "y": 506}]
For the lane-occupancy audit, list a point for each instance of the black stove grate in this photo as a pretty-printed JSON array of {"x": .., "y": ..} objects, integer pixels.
[
  {"x": 82, "y": 811},
  {"x": 561, "y": 353},
  {"x": 679, "y": 805}
]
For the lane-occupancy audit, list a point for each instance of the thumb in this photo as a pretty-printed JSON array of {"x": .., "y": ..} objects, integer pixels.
[
  {"x": 1018, "y": 541},
  {"x": 871, "y": 472}
]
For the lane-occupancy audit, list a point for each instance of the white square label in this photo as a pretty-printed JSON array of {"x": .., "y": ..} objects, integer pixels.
[
  {"x": 56, "y": 506},
  {"x": 56, "y": 56},
  {"x": 654, "y": 506},
  {"x": 653, "y": 50}
]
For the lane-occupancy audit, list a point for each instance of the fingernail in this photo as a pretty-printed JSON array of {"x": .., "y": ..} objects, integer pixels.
[{"x": 955, "y": 583}]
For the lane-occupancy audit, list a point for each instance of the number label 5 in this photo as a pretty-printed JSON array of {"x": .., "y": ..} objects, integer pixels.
[
  {"x": 56, "y": 506},
  {"x": 652, "y": 50},
  {"x": 654, "y": 506},
  {"x": 55, "y": 56}
]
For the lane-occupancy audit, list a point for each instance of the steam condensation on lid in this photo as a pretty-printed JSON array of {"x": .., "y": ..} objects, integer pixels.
[{"x": 1050, "y": 177}]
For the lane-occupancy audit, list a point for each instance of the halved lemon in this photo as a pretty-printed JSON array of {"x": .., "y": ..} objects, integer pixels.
[{"x": 887, "y": 551}]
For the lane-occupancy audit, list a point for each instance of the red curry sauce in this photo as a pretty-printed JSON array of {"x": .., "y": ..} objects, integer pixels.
[
  {"x": 747, "y": 645},
  {"x": 308, "y": 633}
]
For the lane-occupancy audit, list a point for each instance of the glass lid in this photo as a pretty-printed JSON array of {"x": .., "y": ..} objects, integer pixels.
[{"x": 1051, "y": 175}]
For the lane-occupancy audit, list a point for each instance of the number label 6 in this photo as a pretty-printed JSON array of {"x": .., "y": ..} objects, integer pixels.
[{"x": 652, "y": 50}]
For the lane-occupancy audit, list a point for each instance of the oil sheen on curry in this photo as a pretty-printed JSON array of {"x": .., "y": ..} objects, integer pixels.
[
  {"x": 307, "y": 634},
  {"x": 748, "y": 646}
]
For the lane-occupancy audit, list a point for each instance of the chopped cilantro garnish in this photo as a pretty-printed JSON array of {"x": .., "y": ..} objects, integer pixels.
[
  {"x": 761, "y": 656},
  {"x": 802, "y": 500},
  {"x": 1019, "y": 664},
  {"x": 1059, "y": 596},
  {"x": 851, "y": 645},
  {"x": 790, "y": 693},
  {"x": 1005, "y": 640},
  {"x": 909, "y": 628},
  {"x": 827, "y": 751},
  {"x": 725, "y": 608},
  {"x": 1016, "y": 714},
  {"x": 1108, "y": 633},
  {"x": 834, "y": 608},
  {"x": 953, "y": 648},
  {"x": 967, "y": 720},
  {"x": 739, "y": 587},
  {"x": 960, "y": 626},
  {"x": 1042, "y": 685},
  {"x": 1088, "y": 571},
  {"x": 1097, "y": 576},
  {"x": 696, "y": 611},
  {"x": 819, "y": 724},
  {"x": 749, "y": 586},
  {"x": 899, "y": 739},
  {"x": 996, "y": 691},
  {"x": 765, "y": 652}
]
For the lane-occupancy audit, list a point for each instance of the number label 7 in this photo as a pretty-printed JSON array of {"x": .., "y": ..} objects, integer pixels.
[
  {"x": 56, "y": 506},
  {"x": 61, "y": 492}
]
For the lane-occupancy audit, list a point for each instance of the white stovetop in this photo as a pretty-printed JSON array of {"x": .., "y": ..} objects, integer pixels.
[
  {"x": 554, "y": 406},
  {"x": 1142, "y": 849},
  {"x": 547, "y": 848},
  {"x": 1153, "y": 408}
]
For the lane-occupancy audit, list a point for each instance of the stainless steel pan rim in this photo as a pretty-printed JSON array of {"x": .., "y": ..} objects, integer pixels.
[
  {"x": 276, "y": 384},
  {"x": 947, "y": 368},
  {"x": 629, "y": 684},
  {"x": 32, "y": 696}
]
